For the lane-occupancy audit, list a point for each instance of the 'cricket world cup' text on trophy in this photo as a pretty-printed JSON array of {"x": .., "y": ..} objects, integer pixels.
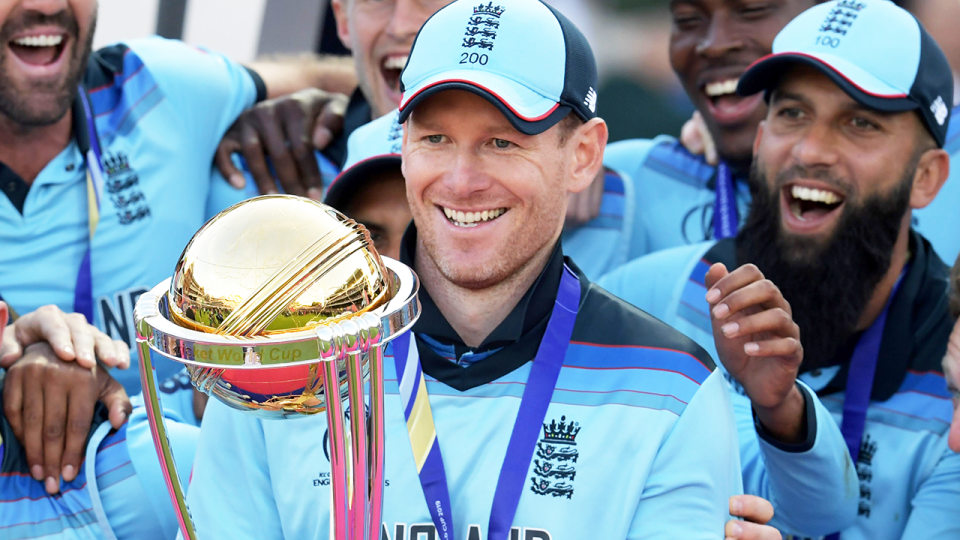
[{"x": 280, "y": 307}]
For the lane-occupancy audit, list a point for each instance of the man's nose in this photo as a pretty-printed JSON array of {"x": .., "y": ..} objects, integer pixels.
[
  {"x": 47, "y": 7},
  {"x": 721, "y": 37}
]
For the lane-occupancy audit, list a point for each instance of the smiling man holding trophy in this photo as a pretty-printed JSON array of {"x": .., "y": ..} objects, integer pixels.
[{"x": 525, "y": 402}]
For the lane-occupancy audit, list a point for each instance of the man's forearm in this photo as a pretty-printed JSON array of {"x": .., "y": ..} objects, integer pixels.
[{"x": 285, "y": 75}]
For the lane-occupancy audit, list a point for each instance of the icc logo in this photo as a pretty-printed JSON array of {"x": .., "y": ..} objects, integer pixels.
[{"x": 554, "y": 468}]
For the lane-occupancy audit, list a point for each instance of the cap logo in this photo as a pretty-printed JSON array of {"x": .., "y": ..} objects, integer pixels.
[
  {"x": 482, "y": 27},
  {"x": 841, "y": 18},
  {"x": 395, "y": 135},
  {"x": 940, "y": 110},
  {"x": 591, "y": 100}
]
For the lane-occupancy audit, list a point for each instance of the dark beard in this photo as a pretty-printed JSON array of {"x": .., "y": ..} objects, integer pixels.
[
  {"x": 18, "y": 104},
  {"x": 827, "y": 284}
]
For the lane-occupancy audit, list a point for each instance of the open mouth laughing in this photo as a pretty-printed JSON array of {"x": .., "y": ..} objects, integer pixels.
[
  {"x": 463, "y": 219},
  {"x": 390, "y": 68},
  {"x": 37, "y": 51},
  {"x": 725, "y": 105},
  {"x": 810, "y": 207}
]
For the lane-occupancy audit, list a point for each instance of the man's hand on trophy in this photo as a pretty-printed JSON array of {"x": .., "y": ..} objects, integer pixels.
[
  {"x": 69, "y": 335},
  {"x": 756, "y": 513},
  {"x": 759, "y": 345},
  {"x": 49, "y": 404},
  {"x": 287, "y": 130}
]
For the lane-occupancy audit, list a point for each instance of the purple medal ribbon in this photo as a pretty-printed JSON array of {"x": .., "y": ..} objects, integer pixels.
[
  {"x": 537, "y": 394},
  {"x": 83, "y": 293},
  {"x": 863, "y": 368},
  {"x": 725, "y": 218}
]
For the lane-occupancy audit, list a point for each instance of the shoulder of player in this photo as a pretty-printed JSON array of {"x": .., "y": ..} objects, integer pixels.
[
  {"x": 617, "y": 335},
  {"x": 657, "y": 269},
  {"x": 663, "y": 156}
]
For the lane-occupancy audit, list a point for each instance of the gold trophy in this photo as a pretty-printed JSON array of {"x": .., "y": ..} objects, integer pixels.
[{"x": 277, "y": 303}]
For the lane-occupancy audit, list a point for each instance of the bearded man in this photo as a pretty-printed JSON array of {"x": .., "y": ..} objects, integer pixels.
[{"x": 851, "y": 146}]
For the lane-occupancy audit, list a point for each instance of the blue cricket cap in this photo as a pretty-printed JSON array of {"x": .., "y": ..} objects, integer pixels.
[
  {"x": 372, "y": 150},
  {"x": 523, "y": 56},
  {"x": 878, "y": 53}
]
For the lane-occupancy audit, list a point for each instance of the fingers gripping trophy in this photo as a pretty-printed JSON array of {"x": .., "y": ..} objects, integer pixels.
[{"x": 280, "y": 307}]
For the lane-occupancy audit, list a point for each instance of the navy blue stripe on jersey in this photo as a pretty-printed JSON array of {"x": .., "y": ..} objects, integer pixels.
[
  {"x": 671, "y": 159},
  {"x": 930, "y": 383},
  {"x": 613, "y": 204},
  {"x": 635, "y": 376},
  {"x": 693, "y": 304},
  {"x": 121, "y": 102},
  {"x": 27, "y": 511},
  {"x": 113, "y": 460},
  {"x": 636, "y": 357},
  {"x": 952, "y": 143}
]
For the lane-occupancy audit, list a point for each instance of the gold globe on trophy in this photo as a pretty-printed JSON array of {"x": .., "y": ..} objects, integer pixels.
[{"x": 275, "y": 304}]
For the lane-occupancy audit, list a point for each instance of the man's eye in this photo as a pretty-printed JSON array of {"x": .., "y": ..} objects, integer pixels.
[
  {"x": 435, "y": 139},
  {"x": 686, "y": 19},
  {"x": 863, "y": 123},
  {"x": 790, "y": 112},
  {"x": 502, "y": 143},
  {"x": 755, "y": 11}
]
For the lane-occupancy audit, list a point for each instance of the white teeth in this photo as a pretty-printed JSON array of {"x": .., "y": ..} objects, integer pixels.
[
  {"x": 396, "y": 62},
  {"x": 817, "y": 195},
  {"x": 39, "y": 41},
  {"x": 722, "y": 88},
  {"x": 471, "y": 219}
]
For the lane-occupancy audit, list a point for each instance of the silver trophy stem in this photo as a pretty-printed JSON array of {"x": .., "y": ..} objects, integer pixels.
[
  {"x": 159, "y": 430},
  {"x": 376, "y": 442},
  {"x": 240, "y": 373},
  {"x": 339, "y": 500}
]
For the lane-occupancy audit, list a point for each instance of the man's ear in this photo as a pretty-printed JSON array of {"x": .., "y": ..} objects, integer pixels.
[
  {"x": 340, "y": 9},
  {"x": 589, "y": 142},
  {"x": 933, "y": 168}
]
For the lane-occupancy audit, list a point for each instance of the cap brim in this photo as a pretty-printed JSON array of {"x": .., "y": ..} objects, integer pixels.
[
  {"x": 529, "y": 112},
  {"x": 353, "y": 178},
  {"x": 864, "y": 88}
]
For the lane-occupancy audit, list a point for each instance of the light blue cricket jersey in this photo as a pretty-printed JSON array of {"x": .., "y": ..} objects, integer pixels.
[
  {"x": 119, "y": 491},
  {"x": 161, "y": 109},
  {"x": 673, "y": 193},
  {"x": 909, "y": 481},
  {"x": 654, "y": 453},
  {"x": 674, "y": 197}
]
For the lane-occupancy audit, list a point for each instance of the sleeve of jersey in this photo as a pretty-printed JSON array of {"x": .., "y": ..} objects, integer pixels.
[
  {"x": 653, "y": 282},
  {"x": 230, "y": 494},
  {"x": 628, "y": 158},
  {"x": 813, "y": 486},
  {"x": 696, "y": 471},
  {"x": 208, "y": 89},
  {"x": 935, "y": 506},
  {"x": 140, "y": 508}
]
